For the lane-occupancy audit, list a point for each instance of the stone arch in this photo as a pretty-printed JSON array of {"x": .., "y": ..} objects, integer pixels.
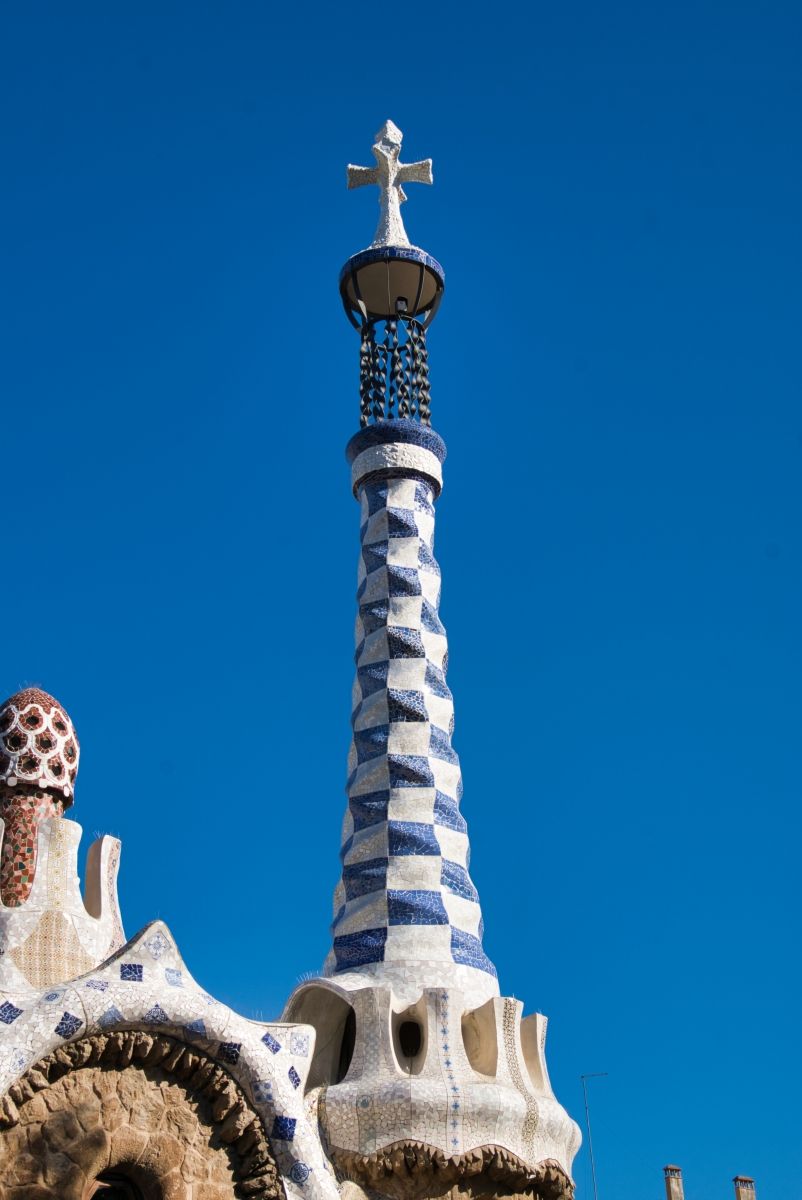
[{"x": 154, "y": 1109}]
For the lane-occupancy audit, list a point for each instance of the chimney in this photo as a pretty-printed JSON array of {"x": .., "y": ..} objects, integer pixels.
[
  {"x": 744, "y": 1187},
  {"x": 674, "y": 1188}
]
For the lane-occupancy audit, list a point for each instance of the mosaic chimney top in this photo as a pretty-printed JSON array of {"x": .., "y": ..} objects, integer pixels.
[
  {"x": 38, "y": 745},
  {"x": 38, "y": 767}
]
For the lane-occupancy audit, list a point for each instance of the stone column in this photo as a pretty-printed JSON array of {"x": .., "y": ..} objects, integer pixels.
[{"x": 744, "y": 1187}]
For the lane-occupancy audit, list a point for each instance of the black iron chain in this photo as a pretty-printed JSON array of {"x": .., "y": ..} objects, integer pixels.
[{"x": 394, "y": 372}]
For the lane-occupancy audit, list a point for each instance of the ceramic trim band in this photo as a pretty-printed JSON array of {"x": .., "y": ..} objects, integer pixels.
[{"x": 397, "y": 458}]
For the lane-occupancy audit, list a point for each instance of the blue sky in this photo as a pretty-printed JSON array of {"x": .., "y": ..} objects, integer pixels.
[{"x": 615, "y": 369}]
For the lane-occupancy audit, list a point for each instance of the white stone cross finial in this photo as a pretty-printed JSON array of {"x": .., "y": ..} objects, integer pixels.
[{"x": 389, "y": 174}]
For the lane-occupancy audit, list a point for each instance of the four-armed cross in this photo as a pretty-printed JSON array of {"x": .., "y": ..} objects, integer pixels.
[{"x": 389, "y": 174}]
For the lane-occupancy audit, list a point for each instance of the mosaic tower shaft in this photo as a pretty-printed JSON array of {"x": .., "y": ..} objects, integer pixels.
[{"x": 406, "y": 907}]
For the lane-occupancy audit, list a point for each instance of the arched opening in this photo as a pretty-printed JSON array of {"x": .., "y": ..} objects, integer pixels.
[
  {"x": 111, "y": 1185},
  {"x": 334, "y": 1022},
  {"x": 480, "y": 1038},
  {"x": 409, "y": 1031},
  {"x": 410, "y": 1038}
]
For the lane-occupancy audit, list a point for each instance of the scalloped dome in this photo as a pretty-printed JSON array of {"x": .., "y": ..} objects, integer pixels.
[{"x": 38, "y": 745}]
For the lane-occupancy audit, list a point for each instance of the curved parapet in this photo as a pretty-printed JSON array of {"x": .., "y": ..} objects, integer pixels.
[
  {"x": 436, "y": 1080},
  {"x": 55, "y": 934},
  {"x": 143, "y": 1004}
]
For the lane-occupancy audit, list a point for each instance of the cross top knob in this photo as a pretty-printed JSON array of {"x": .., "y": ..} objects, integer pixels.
[{"x": 389, "y": 173}]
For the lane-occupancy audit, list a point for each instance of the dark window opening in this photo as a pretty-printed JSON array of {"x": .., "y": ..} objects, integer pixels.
[
  {"x": 347, "y": 1046},
  {"x": 115, "y": 1187},
  {"x": 410, "y": 1038}
]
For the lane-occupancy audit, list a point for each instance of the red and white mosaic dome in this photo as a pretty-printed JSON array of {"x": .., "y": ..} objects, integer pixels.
[{"x": 38, "y": 745}]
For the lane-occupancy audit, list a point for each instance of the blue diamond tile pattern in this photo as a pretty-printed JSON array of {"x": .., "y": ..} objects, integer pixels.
[
  {"x": 229, "y": 1052},
  {"x": 283, "y": 1129},
  {"x": 131, "y": 972},
  {"x": 157, "y": 944},
  {"x": 405, "y": 852},
  {"x": 9, "y": 1012},
  {"x": 271, "y": 1043},
  {"x": 68, "y": 1025}
]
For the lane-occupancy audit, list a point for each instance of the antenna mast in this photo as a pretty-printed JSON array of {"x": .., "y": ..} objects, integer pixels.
[{"x": 591, "y": 1075}]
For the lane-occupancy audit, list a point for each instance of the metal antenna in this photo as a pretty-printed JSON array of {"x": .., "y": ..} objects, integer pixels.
[{"x": 591, "y": 1075}]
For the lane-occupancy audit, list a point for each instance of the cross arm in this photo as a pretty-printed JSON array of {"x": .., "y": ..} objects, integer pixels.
[
  {"x": 419, "y": 172},
  {"x": 359, "y": 176}
]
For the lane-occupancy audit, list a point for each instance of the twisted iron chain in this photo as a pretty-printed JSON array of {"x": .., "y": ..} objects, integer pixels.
[
  {"x": 394, "y": 366},
  {"x": 414, "y": 378},
  {"x": 402, "y": 373},
  {"x": 394, "y": 373},
  {"x": 365, "y": 374},
  {"x": 418, "y": 337},
  {"x": 379, "y": 389}
]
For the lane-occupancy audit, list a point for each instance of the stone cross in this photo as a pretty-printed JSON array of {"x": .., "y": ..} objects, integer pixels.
[{"x": 389, "y": 174}]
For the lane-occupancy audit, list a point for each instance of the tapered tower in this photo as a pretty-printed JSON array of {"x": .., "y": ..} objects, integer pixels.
[{"x": 429, "y": 1079}]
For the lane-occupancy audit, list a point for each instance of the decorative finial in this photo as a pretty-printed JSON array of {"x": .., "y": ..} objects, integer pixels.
[
  {"x": 389, "y": 173},
  {"x": 391, "y": 292}
]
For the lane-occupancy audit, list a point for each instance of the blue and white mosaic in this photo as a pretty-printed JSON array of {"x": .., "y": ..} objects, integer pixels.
[
  {"x": 407, "y": 944},
  {"x": 53, "y": 935},
  {"x": 405, "y": 892},
  {"x": 146, "y": 985}
]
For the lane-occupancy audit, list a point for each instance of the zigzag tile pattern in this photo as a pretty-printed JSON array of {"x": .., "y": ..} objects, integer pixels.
[{"x": 405, "y": 891}]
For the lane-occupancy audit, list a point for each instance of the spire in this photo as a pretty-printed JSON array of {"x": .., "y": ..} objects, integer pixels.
[
  {"x": 429, "y": 1081},
  {"x": 406, "y": 908}
]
